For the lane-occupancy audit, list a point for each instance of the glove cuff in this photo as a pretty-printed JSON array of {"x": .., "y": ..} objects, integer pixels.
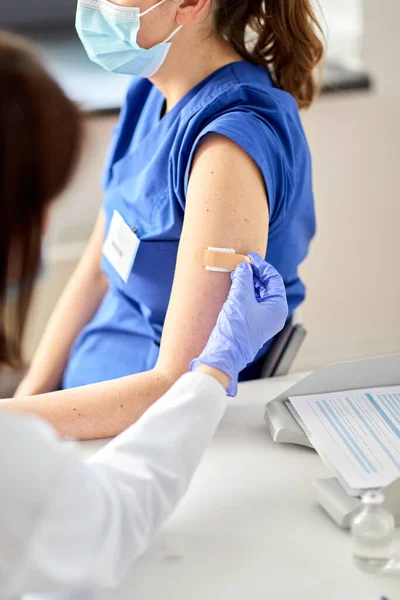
[{"x": 233, "y": 386}]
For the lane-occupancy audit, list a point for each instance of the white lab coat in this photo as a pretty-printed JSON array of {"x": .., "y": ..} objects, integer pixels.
[{"x": 68, "y": 525}]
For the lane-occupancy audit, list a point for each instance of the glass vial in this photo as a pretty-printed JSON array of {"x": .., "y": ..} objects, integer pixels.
[{"x": 373, "y": 531}]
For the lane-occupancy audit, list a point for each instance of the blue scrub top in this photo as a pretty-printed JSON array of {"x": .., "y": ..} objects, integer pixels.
[{"x": 146, "y": 180}]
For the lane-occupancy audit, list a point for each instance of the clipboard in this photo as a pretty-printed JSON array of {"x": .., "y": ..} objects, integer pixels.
[{"x": 379, "y": 371}]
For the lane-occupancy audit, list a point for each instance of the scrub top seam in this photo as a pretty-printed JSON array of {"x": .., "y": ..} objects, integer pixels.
[
  {"x": 209, "y": 100},
  {"x": 233, "y": 71},
  {"x": 212, "y": 98},
  {"x": 189, "y": 156},
  {"x": 160, "y": 202}
]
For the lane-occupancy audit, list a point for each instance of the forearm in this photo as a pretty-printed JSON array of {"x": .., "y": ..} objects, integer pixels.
[
  {"x": 103, "y": 410},
  {"x": 78, "y": 304},
  {"x": 96, "y": 411}
]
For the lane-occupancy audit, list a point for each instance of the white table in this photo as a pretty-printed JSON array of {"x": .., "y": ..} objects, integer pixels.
[{"x": 249, "y": 527}]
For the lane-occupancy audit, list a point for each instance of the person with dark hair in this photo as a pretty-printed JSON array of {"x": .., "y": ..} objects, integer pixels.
[
  {"x": 68, "y": 525},
  {"x": 209, "y": 152},
  {"x": 40, "y": 138}
]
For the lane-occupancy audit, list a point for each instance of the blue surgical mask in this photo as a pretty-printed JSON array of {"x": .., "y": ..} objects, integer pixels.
[{"x": 109, "y": 35}]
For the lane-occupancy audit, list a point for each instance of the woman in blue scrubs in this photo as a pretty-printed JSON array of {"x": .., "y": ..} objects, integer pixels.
[{"x": 209, "y": 151}]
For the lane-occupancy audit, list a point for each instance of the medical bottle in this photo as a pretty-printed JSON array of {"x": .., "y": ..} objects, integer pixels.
[{"x": 373, "y": 530}]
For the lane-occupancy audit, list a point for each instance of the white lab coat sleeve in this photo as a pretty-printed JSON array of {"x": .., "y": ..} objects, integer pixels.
[{"x": 67, "y": 525}]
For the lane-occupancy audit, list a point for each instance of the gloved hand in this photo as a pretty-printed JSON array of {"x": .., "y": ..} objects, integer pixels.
[{"x": 255, "y": 311}]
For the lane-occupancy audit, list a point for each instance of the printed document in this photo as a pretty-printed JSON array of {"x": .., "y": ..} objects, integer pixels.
[{"x": 356, "y": 432}]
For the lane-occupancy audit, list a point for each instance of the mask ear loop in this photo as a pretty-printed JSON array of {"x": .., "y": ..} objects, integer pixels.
[
  {"x": 173, "y": 34},
  {"x": 151, "y": 8}
]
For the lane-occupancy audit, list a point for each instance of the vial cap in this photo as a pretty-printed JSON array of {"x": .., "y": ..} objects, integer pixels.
[{"x": 375, "y": 498}]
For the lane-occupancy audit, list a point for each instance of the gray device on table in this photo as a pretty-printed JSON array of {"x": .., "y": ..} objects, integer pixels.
[{"x": 380, "y": 371}]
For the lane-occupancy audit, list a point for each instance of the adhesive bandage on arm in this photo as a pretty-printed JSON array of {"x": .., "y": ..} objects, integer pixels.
[{"x": 220, "y": 260}]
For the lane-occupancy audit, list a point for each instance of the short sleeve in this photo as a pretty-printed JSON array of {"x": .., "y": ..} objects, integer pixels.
[{"x": 259, "y": 140}]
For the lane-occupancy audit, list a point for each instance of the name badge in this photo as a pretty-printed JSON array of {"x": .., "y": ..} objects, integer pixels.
[{"x": 121, "y": 246}]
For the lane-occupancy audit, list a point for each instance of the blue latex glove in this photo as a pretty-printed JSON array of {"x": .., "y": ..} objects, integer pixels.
[{"x": 255, "y": 311}]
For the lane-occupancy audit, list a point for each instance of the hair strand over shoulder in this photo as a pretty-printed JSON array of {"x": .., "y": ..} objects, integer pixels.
[{"x": 286, "y": 40}]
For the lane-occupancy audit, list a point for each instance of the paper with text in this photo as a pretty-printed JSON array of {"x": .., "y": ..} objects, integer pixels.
[{"x": 356, "y": 432}]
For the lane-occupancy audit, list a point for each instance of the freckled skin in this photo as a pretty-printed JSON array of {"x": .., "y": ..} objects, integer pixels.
[{"x": 234, "y": 188}]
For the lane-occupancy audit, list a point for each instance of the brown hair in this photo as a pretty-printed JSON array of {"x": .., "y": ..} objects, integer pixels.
[
  {"x": 40, "y": 136},
  {"x": 288, "y": 40}
]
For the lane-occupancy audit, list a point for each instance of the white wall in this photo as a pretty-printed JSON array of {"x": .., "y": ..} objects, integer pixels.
[
  {"x": 381, "y": 45},
  {"x": 353, "y": 304},
  {"x": 342, "y": 22}
]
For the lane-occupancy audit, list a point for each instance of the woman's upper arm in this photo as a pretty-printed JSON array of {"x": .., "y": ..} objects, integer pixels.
[{"x": 226, "y": 207}]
